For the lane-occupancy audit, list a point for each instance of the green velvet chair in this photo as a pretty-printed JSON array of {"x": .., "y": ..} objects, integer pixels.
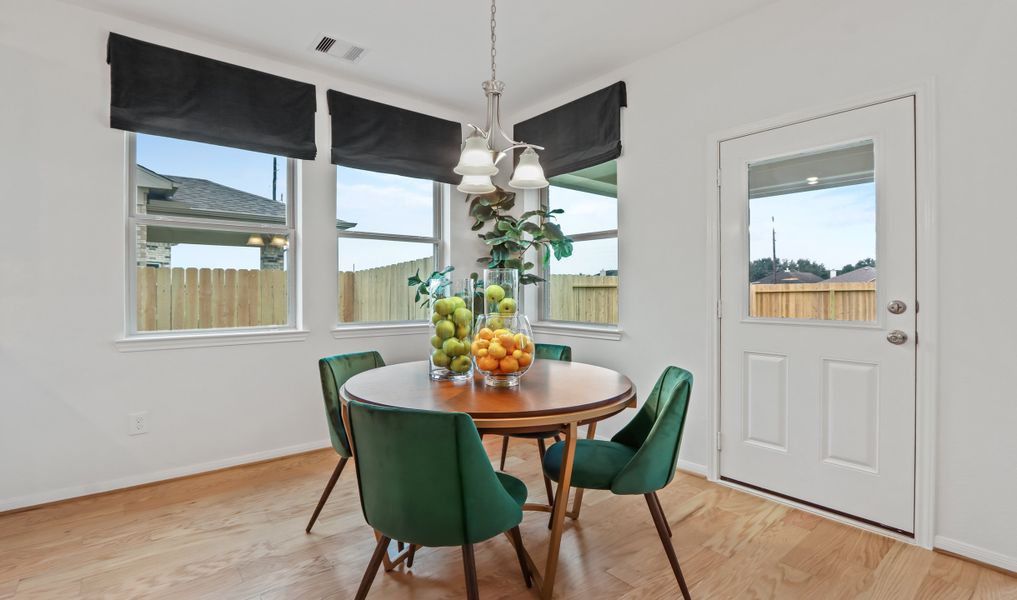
[
  {"x": 641, "y": 458},
  {"x": 334, "y": 371},
  {"x": 425, "y": 479},
  {"x": 543, "y": 352}
]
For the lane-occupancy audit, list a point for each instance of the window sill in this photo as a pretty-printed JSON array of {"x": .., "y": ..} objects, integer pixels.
[
  {"x": 597, "y": 332},
  {"x": 167, "y": 341},
  {"x": 354, "y": 330}
]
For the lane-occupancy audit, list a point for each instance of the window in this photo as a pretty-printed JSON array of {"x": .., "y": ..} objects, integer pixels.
[
  {"x": 210, "y": 230},
  {"x": 583, "y": 288},
  {"x": 387, "y": 229}
]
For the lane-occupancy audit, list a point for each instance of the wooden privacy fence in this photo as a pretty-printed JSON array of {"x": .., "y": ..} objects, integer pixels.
[
  {"x": 206, "y": 298},
  {"x": 584, "y": 298},
  {"x": 827, "y": 301},
  {"x": 382, "y": 294}
]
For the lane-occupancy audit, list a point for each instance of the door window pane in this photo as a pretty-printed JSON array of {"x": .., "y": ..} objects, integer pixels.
[
  {"x": 372, "y": 279},
  {"x": 584, "y": 286},
  {"x": 202, "y": 279},
  {"x": 812, "y": 235}
]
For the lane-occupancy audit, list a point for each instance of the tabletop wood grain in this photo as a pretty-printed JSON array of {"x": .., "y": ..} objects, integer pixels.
[{"x": 550, "y": 387}]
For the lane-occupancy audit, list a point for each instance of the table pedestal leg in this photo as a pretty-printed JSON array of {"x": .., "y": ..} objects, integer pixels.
[{"x": 561, "y": 504}]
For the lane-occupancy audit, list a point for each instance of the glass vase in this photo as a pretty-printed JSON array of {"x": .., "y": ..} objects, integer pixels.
[
  {"x": 502, "y": 293},
  {"x": 451, "y": 329},
  {"x": 503, "y": 348}
]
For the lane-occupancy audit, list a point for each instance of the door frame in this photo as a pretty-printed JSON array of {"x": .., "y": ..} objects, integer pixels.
[{"x": 926, "y": 359}]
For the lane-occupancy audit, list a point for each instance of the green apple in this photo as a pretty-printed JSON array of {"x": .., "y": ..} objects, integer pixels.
[
  {"x": 494, "y": 293},
  {"x": 462, "y": 331},
  {"x": 496, "y": 323},
  {"x": 445, "y": 329},
  {"x": 507, "y": 306},
  {"x": 453, "y": 347},
  {"x": 463, "y": 316},
  {"x": 461, "y": 364},
  {"x": 443, "y": 307},
  {"x": 436, "y": 341},
  {"x": 440, "y": 359},
  {"x": 457, "y": 302},
  {"x": 435, "y": 317}
]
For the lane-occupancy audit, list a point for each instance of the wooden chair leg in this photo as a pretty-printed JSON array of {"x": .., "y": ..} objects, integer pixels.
[
  {"x": 542, "y": 449},
  {"x": 504, "y": 451},
  {"x": 661, "y": 522},
  {"x": 660, "y": 508},
  {"x": 470, "y": 566},
  {"x": 328, "y": 490},
  {"x": 409, "y": 558},
  {"x": 372, "y": 568},
  {"x": 517, "y": 541}
]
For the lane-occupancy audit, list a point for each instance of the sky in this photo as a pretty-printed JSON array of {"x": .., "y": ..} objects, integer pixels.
[
  {"x": 376, "y": 202},
  {"x": 834, "y": 226}
]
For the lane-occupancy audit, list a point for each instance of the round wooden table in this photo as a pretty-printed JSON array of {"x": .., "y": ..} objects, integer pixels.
[{"x": 553, "y": 395}]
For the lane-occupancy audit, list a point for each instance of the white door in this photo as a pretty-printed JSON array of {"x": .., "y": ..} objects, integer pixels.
[{"x": 818, "y": 347}]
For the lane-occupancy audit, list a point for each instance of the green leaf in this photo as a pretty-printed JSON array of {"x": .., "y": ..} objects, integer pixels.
[
  {"x": 477, "y": 225},
  {"x": 530, "y": 278}
]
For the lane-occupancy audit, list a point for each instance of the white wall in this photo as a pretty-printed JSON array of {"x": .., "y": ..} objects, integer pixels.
[
  {"x": 65, "y": 391},
  {"x": 798, "y": 55}
]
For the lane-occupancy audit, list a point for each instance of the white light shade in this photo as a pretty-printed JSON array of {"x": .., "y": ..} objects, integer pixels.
[
  {"x": 476, "y": 158},
  {"x": 476, "y": 184},
  {"x": 255, "y": 240},
  {"x": 528, "y": 174},
  {"x": 279, "y": 241}
]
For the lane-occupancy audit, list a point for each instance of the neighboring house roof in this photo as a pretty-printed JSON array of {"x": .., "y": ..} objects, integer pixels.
[
  {"x": 209, "y": 196},
  {"x": 860, "y": 275},
  {"x": 175, "y": 194},
  {"x": 790, "y": 277}
]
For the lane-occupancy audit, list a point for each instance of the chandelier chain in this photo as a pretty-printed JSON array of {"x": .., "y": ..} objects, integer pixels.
[{"x": 494, "y": 38}]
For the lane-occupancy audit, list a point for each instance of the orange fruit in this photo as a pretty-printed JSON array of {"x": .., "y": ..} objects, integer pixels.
[
  {"x": 525, "y": 360},
  {"x": 481, "y": 353},
  {"x": 496, "y": 351},
  {"x": 529, "y": 348},
  {"x": 507, "y": 340},
  {"x": 517, "y": 353},
  {"x": 509, "y": 364},
  {"x": 487, "y": 364},
  {"x": 485, "y": 333}
]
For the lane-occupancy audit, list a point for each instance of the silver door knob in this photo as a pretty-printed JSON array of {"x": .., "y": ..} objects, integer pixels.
[
  {"x": 897, "y": 337},
  {"x": 896, "y": 307}
]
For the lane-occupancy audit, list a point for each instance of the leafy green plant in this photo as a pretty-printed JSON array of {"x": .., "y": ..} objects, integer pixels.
[
  {"x": 510, "y": 237},
  {"x": 423, "y": 285}
]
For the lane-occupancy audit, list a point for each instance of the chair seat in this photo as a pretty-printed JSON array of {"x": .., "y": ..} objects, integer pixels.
[
  {"x": 596, "y": 465},
  {"x": 535, "y": 435},
  {"x": 514, "y": 487}
]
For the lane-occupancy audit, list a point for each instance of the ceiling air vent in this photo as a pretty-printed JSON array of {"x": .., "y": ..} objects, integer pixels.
[{"x": 336, "y": 48}]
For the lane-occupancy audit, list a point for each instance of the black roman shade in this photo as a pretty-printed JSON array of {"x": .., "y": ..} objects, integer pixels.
[
  {"x": 580, "y": 134},
  {"x": 379, "y": 137},
  {"x": 167, "y": 92}
]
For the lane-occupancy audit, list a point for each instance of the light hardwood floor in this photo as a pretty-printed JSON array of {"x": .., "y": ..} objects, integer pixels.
[{"x": 239, "y": 534}]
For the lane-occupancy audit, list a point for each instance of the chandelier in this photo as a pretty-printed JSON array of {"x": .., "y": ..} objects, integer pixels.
[{"x": 479, "y": 159}]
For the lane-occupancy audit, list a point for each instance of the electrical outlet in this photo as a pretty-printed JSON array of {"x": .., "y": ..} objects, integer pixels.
[{"x": 137, "y": 423}]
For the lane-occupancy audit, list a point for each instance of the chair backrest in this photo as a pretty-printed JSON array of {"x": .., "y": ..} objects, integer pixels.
[
  {"x": 334, "y": 371},
  {"x": 656, "y": 434},
  {"x": 425, "y": 477},
  {"x": 554, "y": 352}
]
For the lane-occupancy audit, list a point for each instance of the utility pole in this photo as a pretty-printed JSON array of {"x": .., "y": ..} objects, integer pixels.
[
  {"x": 275, "y": 175},
  {"x": 773, "y": 234}
]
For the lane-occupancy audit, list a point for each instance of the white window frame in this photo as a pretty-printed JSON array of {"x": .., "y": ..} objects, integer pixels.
[
  {"x": 162, "y": 339},
  {"x": 545, "y": 323},
  {"x": 439, "y": 196}
]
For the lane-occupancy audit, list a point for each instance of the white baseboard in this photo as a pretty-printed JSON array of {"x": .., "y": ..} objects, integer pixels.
[
  {"x": 973, "y": 552},
  {"x": 143, "y": 478},
  {"x": 691, "y": 467}
]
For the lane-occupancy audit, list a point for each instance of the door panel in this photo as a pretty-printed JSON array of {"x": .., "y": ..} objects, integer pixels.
[{"x": 817, "y": 237}]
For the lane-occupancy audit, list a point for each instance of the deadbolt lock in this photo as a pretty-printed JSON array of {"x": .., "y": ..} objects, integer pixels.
[{"x": 896, "y": 307}]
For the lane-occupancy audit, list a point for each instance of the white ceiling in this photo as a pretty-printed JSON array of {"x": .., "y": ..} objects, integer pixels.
[{"x": 438, "y": 50}]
